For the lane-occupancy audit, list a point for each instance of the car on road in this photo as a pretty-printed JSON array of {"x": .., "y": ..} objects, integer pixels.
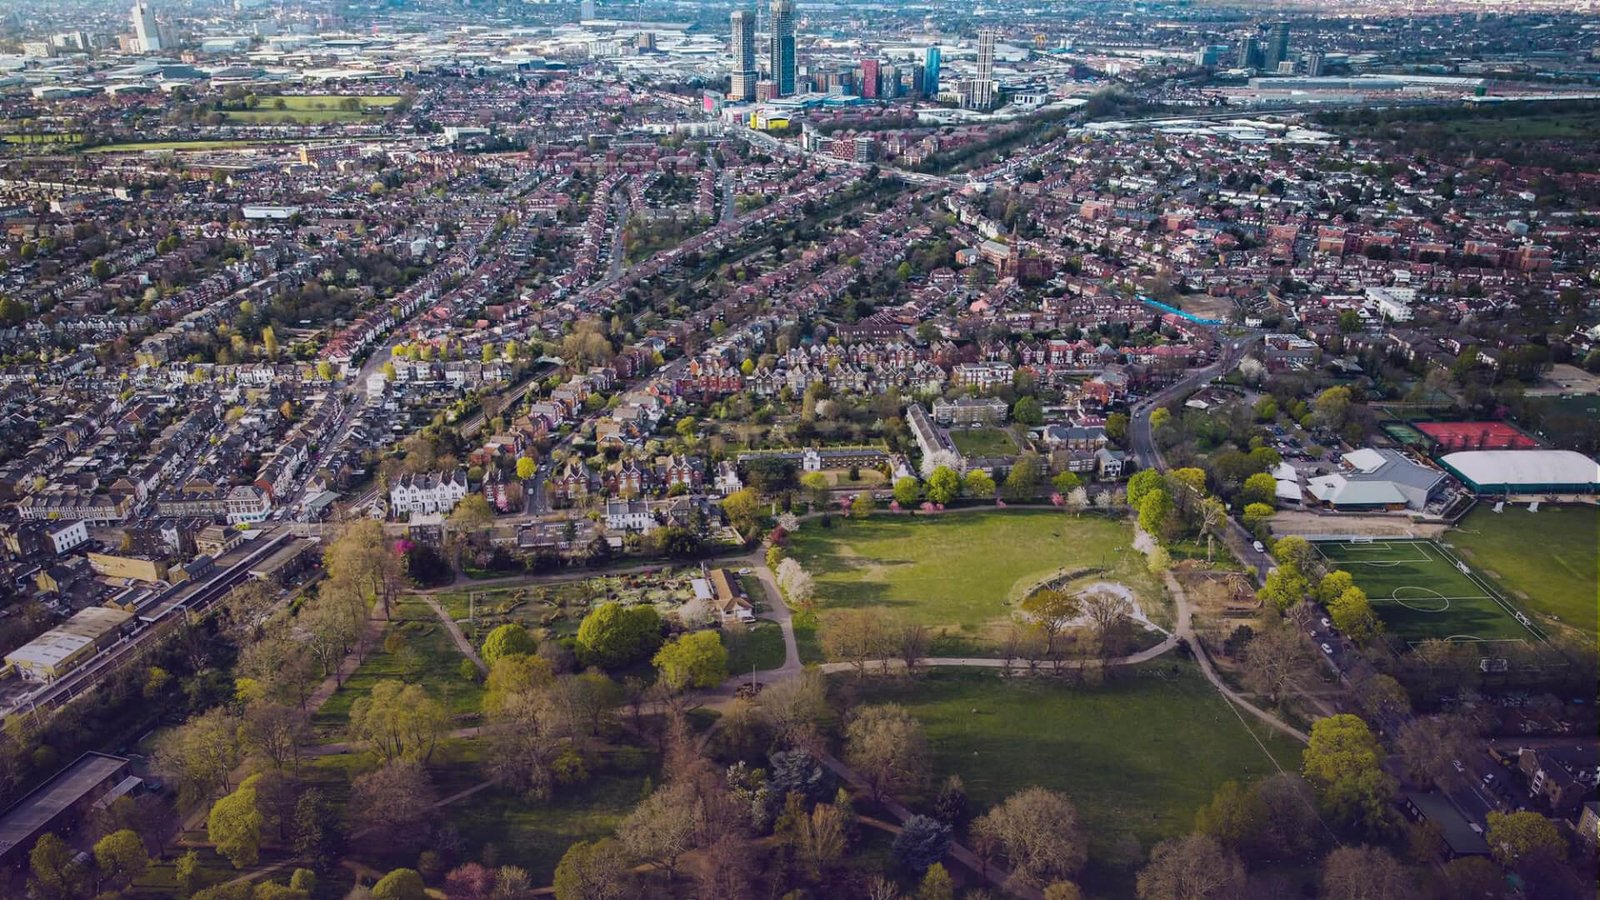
[
  {"x": 1326, "y": 623},
  {"x": 1327, "y": 649},
  {"x": 1259, "y": 547},
  {"x": 1488, "y": 779},
  {"x": 1457, "y": 763},
  {"x": 746, "y": 571}
]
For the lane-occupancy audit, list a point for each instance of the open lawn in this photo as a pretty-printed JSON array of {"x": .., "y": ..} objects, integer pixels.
[
  {"x": 425, "y": 654},
  {"x": 1548, "y": 561},
  {"x": 758, "y": 647},
  {"x": 535, "y": 835},
  {"x": 961, "y": 572},
  {"x": 1138, "y": 755},
  {"x": 329, "y": 101},
  {"x": 1420, "y": 594},
  {"x": 266, "y": 116},
  {"x": 983, "y": 442}
]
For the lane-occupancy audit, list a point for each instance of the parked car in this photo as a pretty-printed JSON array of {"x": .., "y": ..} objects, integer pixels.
[{"x": 1327, "y": 649}]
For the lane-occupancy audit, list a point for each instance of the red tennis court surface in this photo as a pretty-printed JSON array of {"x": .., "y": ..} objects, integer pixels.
[{"x": 1476, "y": 435}]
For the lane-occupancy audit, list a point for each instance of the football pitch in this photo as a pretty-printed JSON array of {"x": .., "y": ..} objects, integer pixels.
[{"x": 1422, "y": 592}]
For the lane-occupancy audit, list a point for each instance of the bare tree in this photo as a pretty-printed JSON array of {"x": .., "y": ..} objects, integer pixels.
[
  {"x": 1107, "y": 612},
  {"x": 1273, "y": 657},
  {"x": 1192, "y": 867},
  {"x": 912, "y": 641},
  {"x": 886, "y": 745},
  {"x": 661, "y": 829},
  {"x": 1429, "y": 745},
  {"x": 1038, "y": 831},
  {"x": 1365, "y": 873},
  {"x": 855, "y": 636}
]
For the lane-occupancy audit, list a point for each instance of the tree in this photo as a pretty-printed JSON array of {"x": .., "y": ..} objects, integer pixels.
[
  {"x": 1428, "y": 745},
  {"x": 1050, "y": 611},
  {"x": 1117, "y": 427},
  {"x": 886, "y": 745},
  {"x": 400, "y": 884},
  {"x": 662, "y": 828},
  {"x": 527, "y": 467},
  {"x": 1259, "y": 488},
  {"x": 201, "y": 754},
  {"x": 396, "y": 800},
  {"x": 1514, "y": 837},
  {"x": 795, "y": 707},
  {"x": 1331, "y": 409},
  {"x": 1364, "y": 873},
  {"x": 315, "y": 834},
  {"x": 612, "y": 635},
  {"x": 816, "y": 484},
  {"x": 979, "y": 485},
  {"x": 399, "y": 721},
  {"x": 1273, "y": 657},
  {"x": 1066, "y": 482},
  {"x": 907, "y": 491},
  {"x": 1256, "y": 513},
  {"x": 234, "y": 825},
  {"x": 950, "y": 804},
  {"x": 921, "y": 843},
  {"x": 1027, "y": 411},
  {"x": 692, "y": 660},
  {"x": 274, "y": 731},
  {"x": 1284, "y": 587},
  {"x": 854, "y": 636},
  {"x": 863, "y": 505},
  {"x": 1156, "y": 514},
  {"x": 53, "y": 871},
  {"x": 592, "y": 871},
  {"x": 1192, "y": 867},
  {"x": 1352, "y": 614},
  {"x": 186, "y": 872},
  {"x": 1142, "y": 483},
  {"x": 1022, "y": 482},
  {"x": 742, "y": 508},
  {"x": 1039, "y": 832},
  {"x": 505, "y": 640},
  {"x": 1160, "y": 418},
  {"x": 815, "y": 838},
  {"x": 1333, "y": 584},
  {"x": 796, "y": 583},
  {"x": 936, "y": 884},
  {"x": 1233, "y": 818},
  {"x": 1344, "y": 763},
  {"x": 944, "y": 485}
]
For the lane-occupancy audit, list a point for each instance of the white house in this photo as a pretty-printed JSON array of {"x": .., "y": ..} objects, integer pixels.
[
  {"x": 248, "y": 503},
  {"x": 66, "y": 535},
  {"x": 629, "y": 515},
  {"x": 428, "y": 492}
]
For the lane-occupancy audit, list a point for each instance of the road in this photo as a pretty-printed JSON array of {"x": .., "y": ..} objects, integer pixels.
[{"x": 1141, "y": 439}]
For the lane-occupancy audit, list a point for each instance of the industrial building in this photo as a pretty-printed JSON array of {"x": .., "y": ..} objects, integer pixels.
[
  {"x": 65, "y": 647},
  {"x": 58, "y": 805}
]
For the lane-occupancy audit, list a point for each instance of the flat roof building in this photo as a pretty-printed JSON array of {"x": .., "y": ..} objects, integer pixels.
[
  {"x": 60, "y": 803},
  {"x": 65, "y": 647}
]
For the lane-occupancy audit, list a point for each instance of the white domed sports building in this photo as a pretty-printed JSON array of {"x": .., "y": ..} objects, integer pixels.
[{"x": 1524, "y": 471}]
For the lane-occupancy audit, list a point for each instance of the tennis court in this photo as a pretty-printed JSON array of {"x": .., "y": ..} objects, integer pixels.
[{"x": 1422, "y": 592}]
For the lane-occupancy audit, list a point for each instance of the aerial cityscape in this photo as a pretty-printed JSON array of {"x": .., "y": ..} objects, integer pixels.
[{"x": 488, "y": 450}]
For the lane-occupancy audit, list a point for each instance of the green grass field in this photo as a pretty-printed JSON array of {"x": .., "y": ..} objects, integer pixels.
[
  {"x": 535, "y": 836},
  {"x": 1421, "y": 595},
  {"x": 1138, "y": 756},
  {"x": 759, "y": 647},
  {"x": 180, "y": 146},
  {"x": 265, "y": 116},
  {"x": 983, "y": 442},
  {"x": 1548, "y": 561},
  {"x": 429, "y": 657},
  {"x": 961, "y": 573}
]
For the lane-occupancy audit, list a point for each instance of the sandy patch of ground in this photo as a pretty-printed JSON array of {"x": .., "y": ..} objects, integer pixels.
[{"x": 1311, "y": 524}]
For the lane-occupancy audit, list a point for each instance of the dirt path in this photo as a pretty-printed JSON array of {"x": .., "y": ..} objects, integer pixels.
[{"x": 462, "y": 644}]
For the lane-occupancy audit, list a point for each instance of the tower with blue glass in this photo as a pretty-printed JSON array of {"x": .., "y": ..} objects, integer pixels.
[{"x": 930, "y": 72}]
